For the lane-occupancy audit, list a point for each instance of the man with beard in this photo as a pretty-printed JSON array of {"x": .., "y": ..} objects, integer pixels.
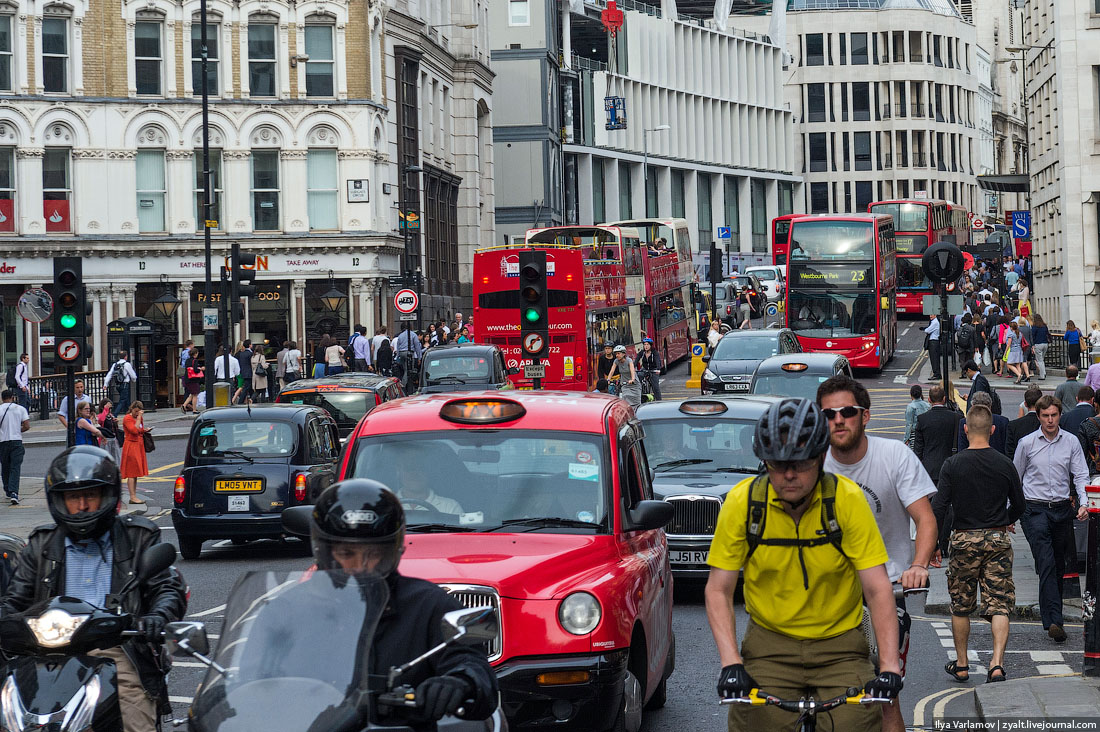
[{"x": 895, "y": 484}]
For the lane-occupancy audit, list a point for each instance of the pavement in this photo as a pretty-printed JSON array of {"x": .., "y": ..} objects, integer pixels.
[{"x": 168, "y": 422}]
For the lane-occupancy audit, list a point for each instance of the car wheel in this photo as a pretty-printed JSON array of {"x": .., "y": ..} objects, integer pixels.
[
  {"x": 190, "y": 546},
  {"x": 660, "y": 696},
  {"x": 629, "y": 718}
]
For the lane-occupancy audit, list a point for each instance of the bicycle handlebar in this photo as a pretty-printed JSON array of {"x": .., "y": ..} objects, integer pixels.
[{"x": 853, "y": 695}]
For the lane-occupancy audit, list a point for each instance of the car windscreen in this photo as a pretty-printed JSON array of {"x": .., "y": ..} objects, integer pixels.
[
  {"x": 346, "y": 407},
  {"x": 439, "y": 369},
  {"x": 794, "y": 384},
  {"x": 484, "y": 480},
  {"x": 752, "y": 348},
  {"x": 701, "y": 444},
  {"x": 764, "y": 274},
  {"x": 252, "y": 438}
]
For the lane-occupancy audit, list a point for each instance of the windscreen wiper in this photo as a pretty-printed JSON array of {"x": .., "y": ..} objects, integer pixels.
[
  {"x": 682, "y": 463},
  {"x": 438, "y": 528},
  {"x": 539, "y": 522},
  {"x": 447, "y": 380},
  {"x": 238, "y": 453},
  {"x": 741, "y": 469}
]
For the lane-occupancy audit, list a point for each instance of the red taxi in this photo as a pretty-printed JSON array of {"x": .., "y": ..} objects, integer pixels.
[{"x": 540, "y": 504}]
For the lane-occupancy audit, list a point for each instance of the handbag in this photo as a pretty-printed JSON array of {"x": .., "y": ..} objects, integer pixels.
[
  {"x": 147, "y": 439},
  {"x": 259, "y": 370},
  {"x": 193, "y": 373}
]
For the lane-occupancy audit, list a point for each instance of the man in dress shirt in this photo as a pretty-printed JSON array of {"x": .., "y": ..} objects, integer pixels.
[
  {"x": 23, "y": 381},
  {"x": 360, "y": 347},
  {"x": 933, "y": 331},
  {"x": 1072, "y": 419},
  {"x": 1047, "y": 461}
]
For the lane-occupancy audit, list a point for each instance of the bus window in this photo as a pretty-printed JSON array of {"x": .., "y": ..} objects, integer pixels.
[{"x": 825, "y": 240}]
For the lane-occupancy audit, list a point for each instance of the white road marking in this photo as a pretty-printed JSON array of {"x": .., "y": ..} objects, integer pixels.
[
  {"x": 943, "y": 632},
  {"x": 906, "y": 331},
  {"x": 1046, "y": 656},
  {"x": 947, "y": 642},
  {"x": 1054, "y": 669},
  {"x": 189, "y": 664},
  {"x": 180, "y": 699},
  {"x": 901, "y": 379},
  {"x": 939, "y": 624},
  {"x": 211, "y": 611},
  {"x": 971, "y": 656}
]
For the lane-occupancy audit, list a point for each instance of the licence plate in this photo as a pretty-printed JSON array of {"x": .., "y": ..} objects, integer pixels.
[
  {"x": 250, "y": 485},
  {"x": 238, "y": 503},
  {"x": 694, "y": 556},
  {"x": 737, "y": 387}
]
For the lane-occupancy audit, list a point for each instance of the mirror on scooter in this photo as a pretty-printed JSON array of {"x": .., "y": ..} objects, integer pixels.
[
  {"x": 471, "y": 626},
  {"x": 296, "y": 520},
  {"x": 155, "y": 560},
  {"x": 186, "y": 638}
]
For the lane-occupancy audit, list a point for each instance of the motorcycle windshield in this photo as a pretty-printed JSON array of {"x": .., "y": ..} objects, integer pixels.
[{"x": 295, "y": 649}]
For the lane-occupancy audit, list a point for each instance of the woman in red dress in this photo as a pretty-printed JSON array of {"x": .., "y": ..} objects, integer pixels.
[{"x": 134, "y": 465}]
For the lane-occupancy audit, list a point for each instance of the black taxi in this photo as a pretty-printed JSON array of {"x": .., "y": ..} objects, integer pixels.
[
  {"x": 464, "y": 367},
  {"x": 244, "y": 465},
  {"x": 347, "y": 397}
]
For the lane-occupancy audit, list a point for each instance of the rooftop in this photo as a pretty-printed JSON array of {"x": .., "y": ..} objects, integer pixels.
[{"x": 939, "y": 7}]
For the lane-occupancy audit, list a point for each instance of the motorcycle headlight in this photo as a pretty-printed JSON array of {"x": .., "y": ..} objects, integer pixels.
[
  {"x": 579, "y": 613},
  {"x": 710, "y": 375},
  {"x": 11, "y": 707},
  {"x": 55, "y": 627}
]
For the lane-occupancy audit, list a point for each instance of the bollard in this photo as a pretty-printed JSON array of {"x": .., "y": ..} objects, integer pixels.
[
  {"x": 222, "y": 393},
  {"x": 697, "y": 366},
  {"x": 1092, "y": 572}
]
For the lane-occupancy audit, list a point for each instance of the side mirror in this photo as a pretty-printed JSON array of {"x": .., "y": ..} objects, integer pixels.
[
  {"x": 471, "y": 626},
  {"x": 192, "y": 636},
  {"x": 158, "y": 558},
  {"x": 296, "y": 520},
  {"x": 649, "y": 515},
  {"x": 706, "y": 359},
  {"x": 513, "y": 370}
]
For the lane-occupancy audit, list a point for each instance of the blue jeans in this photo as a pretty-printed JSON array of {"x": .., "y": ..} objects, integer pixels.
[
  {"x": 318, "y": 370},
  {"x": 123, "y": 405},
  {"x": 1049, "y": 532},
  {"x": 11, "y": 464}
]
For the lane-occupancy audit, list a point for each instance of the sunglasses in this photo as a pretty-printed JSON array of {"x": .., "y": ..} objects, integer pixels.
[
  {"x": 799, "y": 466},
  {"x": 845, "y": 412}
]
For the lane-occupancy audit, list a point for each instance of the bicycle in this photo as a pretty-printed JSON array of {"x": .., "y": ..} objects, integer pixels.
[
  {"x": 806, "y": 708},
  {"x": 904, "y": 625}
]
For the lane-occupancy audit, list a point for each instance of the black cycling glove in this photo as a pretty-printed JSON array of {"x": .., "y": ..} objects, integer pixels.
[
  {"x": 735, "y": 681},
  {"x": 152, "y": 626},
  {"x": 887, "y": 685},
  {"x": 442, "y": 695}
]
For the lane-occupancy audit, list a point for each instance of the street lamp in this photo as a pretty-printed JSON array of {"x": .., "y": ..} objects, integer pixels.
[
  {"x": 333, "y": 300},
  {"x": 645, "y": 159},
  {"x": 166, "y": 305}
]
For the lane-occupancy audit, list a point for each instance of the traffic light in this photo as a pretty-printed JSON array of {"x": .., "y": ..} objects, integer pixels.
[
  {"x": 241, "y": 278},
  {"x": 534, "y": 318},
  {"x": 70, "y": 312},
  {"x": 715, "y": 273}
]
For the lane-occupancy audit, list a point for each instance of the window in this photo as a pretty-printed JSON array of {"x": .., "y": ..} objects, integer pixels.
[
  {"x": 733, "y": 209},
  {"x": 7, "y": 189},
  {"x": 265, "y": 190},
  {"x": 599, "y": 207},
  {"x": 864, "y": 193},
  {"x": 519, "y": 12},
  {"x": 843, "y": 48},
  {"x": 843, "y": 102},
  {"x": 261, "y": 59},
  {"x": 861, "y": 101},
  {"x": 150, "y": 190},
  {"x": 55, "y": 55},
  {"x": 704, "y": 209},
  {"x": 215, "y": 189},
  {"x": 859, "y": 49},
  {"x": 758, "y": 194},
  {"x": 847, "y": 152},
  {"x": 319, "y": 68},
  {"x": 786, "y": 198},
  {"x": 211, "y": 59},
  {"x": 625, "y": 197},
  {"x": 57, "y": 189},
  {"x": 5, "y": 55},
  {"x": 322, "y": 188},
  {"x": 679, "y": 208},
  {"x": 815, "y": 94},
  {"x": 819, "y": 198},
  {"x": 815, "y": 49},
  {"x": 147, "y": 57},
  {"x": 819, "y": 157}
]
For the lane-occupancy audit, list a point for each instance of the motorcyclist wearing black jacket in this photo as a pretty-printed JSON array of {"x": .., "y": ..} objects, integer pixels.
[{"x": 82, "y": 490}]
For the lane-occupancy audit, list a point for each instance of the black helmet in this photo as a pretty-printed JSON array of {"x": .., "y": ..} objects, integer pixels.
[
  {"x": 358, "y": 511},
  {"x": 79, "y": 468},
  {"x": 793, "y": 429}
]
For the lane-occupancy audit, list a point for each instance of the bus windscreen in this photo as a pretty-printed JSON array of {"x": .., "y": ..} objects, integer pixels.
[
  {"x": 833, "y": 314},
  {"x": 908, "y": 217},
  {"x": 832, "y": 240}
]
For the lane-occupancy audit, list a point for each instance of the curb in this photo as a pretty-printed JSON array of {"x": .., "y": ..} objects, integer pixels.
[{"x": 61, "y": 441}]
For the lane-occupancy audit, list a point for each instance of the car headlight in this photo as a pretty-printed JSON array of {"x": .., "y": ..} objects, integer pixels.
[
  {"x": 579, "y": 613},
  {"x": 710, "y": 375},
  {"x": 55, "y": 627}
]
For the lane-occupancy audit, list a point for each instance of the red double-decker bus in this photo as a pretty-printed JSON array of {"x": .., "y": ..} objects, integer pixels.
[
  {"x": 781, "y": 236},
  {"x": 920, "y": 223},
  {"x": 841, "y": 287}
]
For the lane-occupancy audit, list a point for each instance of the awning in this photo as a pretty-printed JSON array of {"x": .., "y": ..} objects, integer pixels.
[{"x": 1005, "y": 183}]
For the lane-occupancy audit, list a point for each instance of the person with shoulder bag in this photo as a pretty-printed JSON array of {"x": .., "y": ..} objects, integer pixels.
[
  {"x": 134, "y": 464},
  {"x": 108, "y": 428},
  {"x": 259, "y": 375}
]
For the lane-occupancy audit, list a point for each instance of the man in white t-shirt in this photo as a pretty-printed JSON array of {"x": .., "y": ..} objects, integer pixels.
[
  {"x": 894, "y": 483},
  {"x": 219, "y": 368},
  {"x": 14, "y": 421},
  {"x": 379, "y": 336}
]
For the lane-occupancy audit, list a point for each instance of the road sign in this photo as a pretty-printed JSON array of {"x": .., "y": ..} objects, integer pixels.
[
  {"x": 35, "y": 305},
  {"x": 533, "y": 343},
  {"x": 696, "y": 349},
  {"x": 968, "y": 261},
  {"x": 725, "y": 232},
  {"x": 68, "y": 350},
  {"x": 406, "y": 301},
  {"x": 397, "y": 282},
  {"x": 409, "y": 316},
  {"x": 1021, "y": 224},
  {"x": 771, "y": 309},
  {"x": 209, "y": 318},
  {"x": 532, "y": 371},
  {"x": 978, "y": 223}
]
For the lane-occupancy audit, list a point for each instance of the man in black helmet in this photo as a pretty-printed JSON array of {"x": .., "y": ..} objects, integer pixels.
[
  {"x": 810, "y": 550},
  {"x": 91, "y": 552},
  {"x": 357, "y": 526}
]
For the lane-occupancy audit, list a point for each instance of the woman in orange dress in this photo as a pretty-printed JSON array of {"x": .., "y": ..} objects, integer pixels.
[{"x": 134, "y": 465}]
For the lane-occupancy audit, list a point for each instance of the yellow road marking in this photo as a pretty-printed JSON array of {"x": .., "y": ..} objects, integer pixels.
[{"x": 166, "y": 467}]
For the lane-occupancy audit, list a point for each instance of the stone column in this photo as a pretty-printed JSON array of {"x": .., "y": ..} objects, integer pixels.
[
  {"x": 99, "y": 332},
  {"x": 383, "y": 302},
  {"x": 370, "y": 294},
  {"x": 298, "y": 314},
  {"x": 356, "y": 297},
  {"x": 236, "y": 185},
  {"x": 292, "y": 184},
  {"x": 183, "y": 292},
  {"x": 126, "y": 301}
]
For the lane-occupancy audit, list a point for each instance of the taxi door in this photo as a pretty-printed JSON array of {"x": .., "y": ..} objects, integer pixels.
[
  {"x": 650, "y": 550},
  {"x": 322, "y": 456}
]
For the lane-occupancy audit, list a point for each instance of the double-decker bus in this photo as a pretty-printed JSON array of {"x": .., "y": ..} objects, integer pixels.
[
  {"x": 781, "y": 236},
  {"x": 920, "y": 223},
  {"x": 841, "y": 287}
]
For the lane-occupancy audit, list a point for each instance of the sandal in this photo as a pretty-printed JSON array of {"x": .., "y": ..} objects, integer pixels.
[
  {"x": 138, "y": 502},
  {"x": 954, "y": 670},
  {"x": 991, "y": 678}
]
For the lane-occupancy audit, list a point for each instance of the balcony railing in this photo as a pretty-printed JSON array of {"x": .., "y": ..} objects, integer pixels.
[
  {"x": 919, "y": 160},
  {"x": 887, "y": 161},
  {"x": 918, "y": 109},
  {"x": 886, "y": 111}
]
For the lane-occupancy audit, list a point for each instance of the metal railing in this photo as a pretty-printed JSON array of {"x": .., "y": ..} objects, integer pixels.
[
  {"x": 48, "y": 391},
  {"x": 886, "y": 111},
  {"x": 918, "y": 160}
]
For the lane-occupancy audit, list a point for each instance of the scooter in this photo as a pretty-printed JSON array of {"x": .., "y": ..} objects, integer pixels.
[{"x": 50, "y": 682}]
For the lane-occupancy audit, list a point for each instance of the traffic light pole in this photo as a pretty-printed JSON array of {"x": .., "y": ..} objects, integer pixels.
[
  {"x": 227, "y": 329},
  {"x": 209, "y": 334},
  {"x": 70, "y": 393}
]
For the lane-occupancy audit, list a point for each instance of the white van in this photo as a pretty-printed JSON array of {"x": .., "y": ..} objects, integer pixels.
[{"x": 773, "y": 277}]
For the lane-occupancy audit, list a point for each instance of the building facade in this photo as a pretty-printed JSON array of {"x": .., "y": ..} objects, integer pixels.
[
  {"x": 707, "y": 136},
  {"x": 1061, "y": 64},
  {"x": 885, "y": 97}
]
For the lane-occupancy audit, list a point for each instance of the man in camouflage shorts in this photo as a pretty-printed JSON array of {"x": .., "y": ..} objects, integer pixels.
[{"x": 983, "y": 488}]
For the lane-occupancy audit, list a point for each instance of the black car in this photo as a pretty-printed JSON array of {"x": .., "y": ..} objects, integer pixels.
[
  {"x": 244, "y": 465},
  {"x": 731, "y": 366},
  {"x": 798, "y": 374},
  {"x": 347, "y": 397},
  {"x": 464, "y": 367},
  {"x": 698, "y": 449}
]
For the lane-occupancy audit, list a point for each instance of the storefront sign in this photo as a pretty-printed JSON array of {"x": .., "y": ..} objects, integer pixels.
[{"x": 56, "y": 214}]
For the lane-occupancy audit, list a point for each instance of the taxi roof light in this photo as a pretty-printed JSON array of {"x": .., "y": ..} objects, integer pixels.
[
  {"x": 481, "y": 411},
  {"x": 701, "y": 406},
  {"x": 795, "y": 366}
]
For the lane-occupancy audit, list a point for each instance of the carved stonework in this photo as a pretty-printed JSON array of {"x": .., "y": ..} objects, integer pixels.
[
  {"x": 266, "y": 136},
  {"x": 323, "y": 136},
  {"x": 293, "y": 154},
  {"x": 59, "y": 134},
  {"x": 236, "y": 154},
  {"x": 7, "y": 134},
  {"x": 180, "y": 154},
  {"x": 216, "y": 138},
  {"x": 121, "y": 154},
  {"x": 93, "y": 225},
  {"x": 87, "y": 153},
  {"x": 296, "y": 224},
  {"x": 127, "y": 225},
  {"x": 30, "y": 152},
  {"x": 152, "y": 136},
  {"x": 354, "y": 224},
  {"x": 356, "y": 154}
]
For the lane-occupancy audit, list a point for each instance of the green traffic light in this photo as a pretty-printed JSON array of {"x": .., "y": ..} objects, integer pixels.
[
  {"x": 68, "y": 320},
  {"x": 531, "y": 315}
]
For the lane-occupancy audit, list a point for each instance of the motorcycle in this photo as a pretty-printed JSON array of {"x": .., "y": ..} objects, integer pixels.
[
  {"x": 269, "y": 674},
  {"x": 50, "y": 682}
]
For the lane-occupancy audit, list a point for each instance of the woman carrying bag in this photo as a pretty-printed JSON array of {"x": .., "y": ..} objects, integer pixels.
[
  {"x": 134, "y": 464},
  {"x": 259, "y": 375},
  {"x": 108, "y": 429}
]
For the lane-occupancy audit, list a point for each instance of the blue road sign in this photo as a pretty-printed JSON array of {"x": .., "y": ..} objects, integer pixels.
[
  {"x": 696, "y": 349},
  {"x": 1021, "y": 224},
  {"x": 771, "y": 309},
  {"x": 724, "y": 232}
]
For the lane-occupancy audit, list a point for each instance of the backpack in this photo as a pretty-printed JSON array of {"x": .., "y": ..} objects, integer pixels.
[
  {"x": 996, "y": 399},
  {"x": 9, "y": 378},
  {"x": 118, "y": 378},
  {"x": 1094, "y": 443},
  {"x": 830, "y": 533},
  {"x": 964, "y": 337},
  {"x": 992, "y": 321}
]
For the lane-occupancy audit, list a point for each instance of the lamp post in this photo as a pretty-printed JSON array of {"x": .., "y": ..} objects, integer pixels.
[
  {"x": 166, "y": 305},
  {"x": 209, "y": 334},
  {"x": 333, "y": 300},
  {"x": 645, "y": 161},
  {"x": 412, "y": 261}
]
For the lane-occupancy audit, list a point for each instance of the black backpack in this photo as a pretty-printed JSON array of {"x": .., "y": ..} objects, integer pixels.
[
  {"x": 9, "y": 378},
  {"x": 964, "y": 337},
  {"x": 992, "y": 321},
  {"x": 996, "y": 400}
]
